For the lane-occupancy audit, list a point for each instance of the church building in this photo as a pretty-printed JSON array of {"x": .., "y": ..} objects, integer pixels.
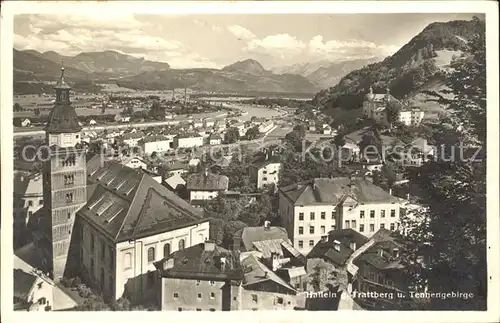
[{"x": 103, "y": 221}]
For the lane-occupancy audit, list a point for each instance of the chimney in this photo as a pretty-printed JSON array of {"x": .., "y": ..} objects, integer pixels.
[
  {"x": 267, "y": 225},
  {"x": 223, "y": 264},
  {"x": 352, "y": 245},
  {"x": 336, "y": 245},
  {"x": 275, "y": 263},
  {"x": 209, "y": 245}
]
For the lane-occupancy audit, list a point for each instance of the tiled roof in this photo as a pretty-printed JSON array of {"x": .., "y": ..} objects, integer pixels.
[
  {"x": 257, "y": 272},
  {"x": 207, "y": 182},
  {"x": 126, "y": 203},
  {"x": 197, "y": 263},
  {"x": 325, "y": 250},
  {"x": 133, "y": 135},
  {"x": 156, "y": 138},
  {"x": 335, "y": 190},
  {"x": 249, "y": 235},
  {"x": 23, "y": 282},
  {"x": 385, "y": 242}
]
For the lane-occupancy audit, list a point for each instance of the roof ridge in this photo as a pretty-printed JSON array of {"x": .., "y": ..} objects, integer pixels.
[{"x": 130, "y": 207}]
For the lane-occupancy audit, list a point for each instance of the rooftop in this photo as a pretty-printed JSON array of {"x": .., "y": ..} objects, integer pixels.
[
  {"x": 207, "y": 182},
  {"x": 249, "y": 235},
  {"x": 128, "y": 204},
  {"x": 335, "y": 191},
  {"x": 257, "y": 272},
  {"x": 23, "y": 283},
  {"x": 202, "y": 261}
]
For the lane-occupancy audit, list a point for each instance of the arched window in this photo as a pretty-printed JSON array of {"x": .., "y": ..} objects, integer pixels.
[
  {"x": 181, "y": 244},
  {"x": 127, "y": 260},
  {"x": 151, "y": 254},
  {"x": 166, "y": 250}
]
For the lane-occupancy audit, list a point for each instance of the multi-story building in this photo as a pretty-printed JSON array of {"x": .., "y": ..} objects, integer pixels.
[
  {"x": 134, "y": 162},
  {"x": 265, "y": 172},
  {"x": 157, "y": 144},
  {"x": 204, "y": 277},
  {"x": 32, "y": 291},
  {"x": 188, "y": 141},
  {"x": 374, "y": 107},
  {"x": 310, "y": 209},
  {"x": 206, "y": 186}
]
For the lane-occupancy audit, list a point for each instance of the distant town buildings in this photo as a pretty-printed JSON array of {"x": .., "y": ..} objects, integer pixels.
[
  {"x": 206, "y": 186},
  {"x": 265, "y": 172}
]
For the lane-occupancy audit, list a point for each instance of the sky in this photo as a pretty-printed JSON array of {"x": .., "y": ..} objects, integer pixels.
[{"x": 213, "y": 41}]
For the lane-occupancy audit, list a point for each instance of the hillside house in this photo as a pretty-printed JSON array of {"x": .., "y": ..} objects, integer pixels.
[{"x": 265, "y": 172}]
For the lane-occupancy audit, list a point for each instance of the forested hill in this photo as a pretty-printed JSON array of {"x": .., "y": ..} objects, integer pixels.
[{"x": 417, "y": 64}]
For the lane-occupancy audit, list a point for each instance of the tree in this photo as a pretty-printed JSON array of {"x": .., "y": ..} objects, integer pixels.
[
  {"x": 157, "y": 111},
  {"x": 392, "y": 111},
  {"x": 36, "y": 111},
  {"x": 232, "y": 135},
  {"x": 252, "y": 133},
  {"x": 451, "y": 229},
  {"x": 94, "y": 303},
  {"x": 17, "y": 107},
  {"x": 103, "y": 108}
]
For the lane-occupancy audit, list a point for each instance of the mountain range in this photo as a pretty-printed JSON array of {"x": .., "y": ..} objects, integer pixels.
[{"x": 417, "y": 72}]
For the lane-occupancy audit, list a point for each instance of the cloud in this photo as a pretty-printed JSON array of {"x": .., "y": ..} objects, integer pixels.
[
  {"x": 279, "y": 45},
  {"x": 71, "y": 35},
  {"x": 351, "y": 49},
  {"x": 240, "y": 32}
]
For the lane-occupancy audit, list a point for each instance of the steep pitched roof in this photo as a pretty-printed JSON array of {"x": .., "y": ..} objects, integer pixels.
[
  {"x": 379, "y": 255},
  {"x": 207, "y": 182},
  {"x": 63, "y": 119},
  {"x": 334, "y": 190},
  {"x": 326, "y": 250},
  {"x": 257, "y": 272},
  {"x": 23, "y": 283},
  {"x": 202, "y": 263},
  {"x": 249, "y": 235},
  {"x": 127, "y": 203}
]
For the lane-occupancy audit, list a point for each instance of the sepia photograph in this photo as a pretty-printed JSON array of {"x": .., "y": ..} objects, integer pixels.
[{"x": 264, "y": 161}]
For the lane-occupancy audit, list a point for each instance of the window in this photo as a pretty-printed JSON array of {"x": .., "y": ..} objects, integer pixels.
[
  {"x": 332, "y": 226},
  {"x": 69, "y": 179},
  {"x": 69, "y": 197},
  {"x": 393, "y": 213},
  {"x": 280, "y": 300},
  {"x": 151, "y": 254},
  {"x": 311, "y": 243},
  {"x": 179, "y": 309},
  {"x": 127, "y": 259},
  {"x": 301, "y": 244},
  {"x": 92, "y": 242},
  {"x": 212, "y": 295},
  {"x": 166, "y": 250},
  {"x": 198, "y": 309},
  {"x": 69, "y": 215},
  {"x": 42, "y": 301},
  {"x": 372, "y": 227},
  {"x": 323, "y": 229},
  {"x": 181, "y": 244},
  {"x": 264, "y": 179},
  {"x": 40, "y": 202},
  {"x": 311, "y": 216},
  {"x": 301, "y": 216},
  {"x": 30, "y": 203},
  {"x": 301, "y": 230},
  {"x": 382, "y": 214},
  {"x": 361, "y": 214},
  {"x": 382, "y": 226},
  {"x": 255, "y": 299},
  {"x": 353, "y": 224},
  {"x": 311, "y": 229},
  {"x": 176, "y": 295},
  {"x": 198, "y": 282},
  {"x": 323, "y": 215},
  {"x": 372, "y": 214},
  {"x": 333, "y": 215},
  {"x": 212, "y": 283},
  {"x": 392, "y": 226},
  {"x": 199, "y": 295},
  {"x": 212, "y": 310}
]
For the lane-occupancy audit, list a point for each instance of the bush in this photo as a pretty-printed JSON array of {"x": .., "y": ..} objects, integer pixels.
[
  {"x": 76, "y": 282},
  {"x": 84, "y": 291},
  {"x": 66, "y": 282}
]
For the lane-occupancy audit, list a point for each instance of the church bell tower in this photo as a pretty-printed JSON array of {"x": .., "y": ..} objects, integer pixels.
[{"x": 64, "y": 184}]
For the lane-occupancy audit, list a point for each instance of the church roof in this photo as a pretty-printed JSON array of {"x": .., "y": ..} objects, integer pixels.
[
  {"x": 62, "y": 117},
  {"x": 128, "y": 204}
]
